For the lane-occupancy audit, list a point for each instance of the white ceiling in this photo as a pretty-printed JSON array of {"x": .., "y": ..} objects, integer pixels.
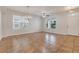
[{"x": 37, "y": 9}]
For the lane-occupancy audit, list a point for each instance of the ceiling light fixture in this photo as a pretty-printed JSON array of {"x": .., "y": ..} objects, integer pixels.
[
  {"x": 70, "y": 10},
  {"x": 70, "y": 7},
  {"x": 45, "y": 14}
]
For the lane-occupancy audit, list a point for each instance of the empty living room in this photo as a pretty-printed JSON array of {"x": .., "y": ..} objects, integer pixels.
[{"x": 39, "y": 29}]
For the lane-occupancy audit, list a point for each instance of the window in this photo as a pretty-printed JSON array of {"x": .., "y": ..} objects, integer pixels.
[
  {"x": 19, "y": 22},
  {"x": 51, "y": 23}
]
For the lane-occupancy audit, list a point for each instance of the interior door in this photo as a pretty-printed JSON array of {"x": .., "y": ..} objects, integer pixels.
[{"x": 73, "y": 25}]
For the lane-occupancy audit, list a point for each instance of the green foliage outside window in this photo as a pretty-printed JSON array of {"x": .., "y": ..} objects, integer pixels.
[{"x": 52, "y": 24}]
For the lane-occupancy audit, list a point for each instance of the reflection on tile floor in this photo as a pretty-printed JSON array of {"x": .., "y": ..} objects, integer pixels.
[{"x": 39, "y": 43}]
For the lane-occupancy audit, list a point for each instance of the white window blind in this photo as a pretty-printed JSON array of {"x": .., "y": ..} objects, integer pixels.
[{"x": 19, "y": 22}]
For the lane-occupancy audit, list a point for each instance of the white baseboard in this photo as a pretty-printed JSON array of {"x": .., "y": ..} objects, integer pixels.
[
  {"x": 60, "y": 33},
  {"x": 35, "y": 32},
  {"x": 73, "y": 34},
  {"x": 20, "y": 34},
  {"x": 56, "y": 32},
  {"x": 1, "y": 37}
]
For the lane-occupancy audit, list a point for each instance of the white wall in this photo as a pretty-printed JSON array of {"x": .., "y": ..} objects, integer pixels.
[
  {"x": 65, "y": 24},
  {"x": 37, "y": 24},
  {"x": 0, "y": 27},
  {"x": 61, "y": 24},
  {"x": 7, "y": 18},
  {"x": 73, "y": 24}
]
